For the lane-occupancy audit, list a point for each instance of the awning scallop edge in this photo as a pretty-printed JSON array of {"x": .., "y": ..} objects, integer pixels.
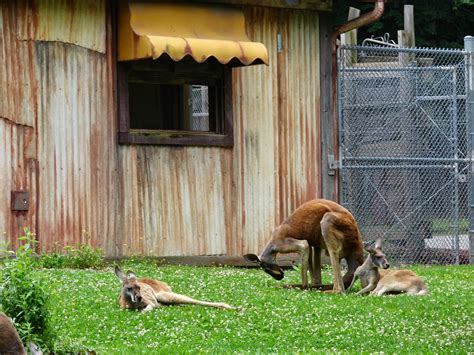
[{"x": 149, "y": 30}]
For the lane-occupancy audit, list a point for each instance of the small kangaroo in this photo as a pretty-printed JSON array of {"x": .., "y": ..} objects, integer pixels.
[
  {"x": 145, "y": 294},
  {"x": 368, "y": 272},
  {"x": 386, "y": 281}
]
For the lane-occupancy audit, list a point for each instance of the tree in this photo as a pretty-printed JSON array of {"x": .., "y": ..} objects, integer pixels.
[{"x": 438, "y": 23}]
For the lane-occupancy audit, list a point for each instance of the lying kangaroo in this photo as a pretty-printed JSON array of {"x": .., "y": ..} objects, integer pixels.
[
  {"x": 146, "y": 294},
  {"x": 10, "y": 342},
  {"x": 315, "y": 225},
  {"x": 368, "y": 272},
  {"x": 386, "y": 281}
]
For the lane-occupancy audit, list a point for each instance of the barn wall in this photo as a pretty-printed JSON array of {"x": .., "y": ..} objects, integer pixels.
[
  {"x": 276, "y": 109},
  {"x": 176, "y": 201},
  {"x": 58, "y": 140},
  {"x": 57, "y": 130},
  {"x": 208, "y": 201},
  {"x": 76, "y": 147},
  {"x": 18, "y": 119}
]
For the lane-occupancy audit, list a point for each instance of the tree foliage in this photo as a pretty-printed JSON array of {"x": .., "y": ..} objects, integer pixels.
[{"x": 438, "y": 23}]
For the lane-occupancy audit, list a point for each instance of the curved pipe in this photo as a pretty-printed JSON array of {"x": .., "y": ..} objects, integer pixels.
[{"x": 360, "y": 21}]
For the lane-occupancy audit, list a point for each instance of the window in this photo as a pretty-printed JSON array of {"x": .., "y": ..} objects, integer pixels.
[
  {"x": 174, "y": 70},
  {"x": 176, "y": 103}
]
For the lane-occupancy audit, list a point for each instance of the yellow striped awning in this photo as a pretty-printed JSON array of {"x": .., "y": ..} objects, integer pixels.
[{"x": 150, "y": 29}]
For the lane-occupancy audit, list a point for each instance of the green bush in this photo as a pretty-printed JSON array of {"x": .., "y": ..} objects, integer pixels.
[
  {"x": 22, "y": 296},
  {"x": 75, "y": 257}
]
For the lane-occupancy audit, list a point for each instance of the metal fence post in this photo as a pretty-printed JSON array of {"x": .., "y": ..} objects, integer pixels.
[{"x": 469, "y": 48}]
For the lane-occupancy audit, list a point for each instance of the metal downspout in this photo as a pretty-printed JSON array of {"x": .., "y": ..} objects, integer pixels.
[{"x": 360, "y": 21}]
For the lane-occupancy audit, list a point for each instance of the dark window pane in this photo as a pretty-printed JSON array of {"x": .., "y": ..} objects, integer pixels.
[
  {"x": 155, "y": 106},
  {"x": 167, "y": 102}
]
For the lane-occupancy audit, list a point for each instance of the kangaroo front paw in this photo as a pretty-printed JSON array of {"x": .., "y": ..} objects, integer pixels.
[{"x": 148, "y": 308}]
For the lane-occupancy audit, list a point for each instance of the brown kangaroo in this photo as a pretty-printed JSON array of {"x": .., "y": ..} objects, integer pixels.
[
  {"x": 386, "y": 281},
  {"x": 145, "y": 294},
  {"x": 368, "y": 272},
  {"x": 10, "y": 342},
  {"x": 315, "y": 225}
]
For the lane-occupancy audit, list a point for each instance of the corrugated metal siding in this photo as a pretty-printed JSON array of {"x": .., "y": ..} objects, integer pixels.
[
  {"x": 17, "y": 173},
  {"x": 76, "y": 149},
  {"x": 56, "y": 126},
  {"x": 255, "y": 123},
  {"x": 299, "y": 147},
  {"x": 276, "y": 109},
  {"x": 58, "y": 140},
  {"x": 80, "y": 22},
  {"x": 203, "y": 201},
  {"x": 174, "y": 200},
  {"x": 18, "y": 82}
]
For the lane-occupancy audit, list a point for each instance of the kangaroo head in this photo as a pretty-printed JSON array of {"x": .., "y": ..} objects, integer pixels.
[
  {"x": 376, "y": 255},
  {"x": 130, "y": 286}
]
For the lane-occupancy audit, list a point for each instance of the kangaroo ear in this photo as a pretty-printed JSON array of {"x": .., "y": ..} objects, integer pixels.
[
  {"x": 378, "y": 243},
  {"x": 119, "y": 273},
  {"x": 252, "y": 258},
  {"x": 131, "y": 275}
]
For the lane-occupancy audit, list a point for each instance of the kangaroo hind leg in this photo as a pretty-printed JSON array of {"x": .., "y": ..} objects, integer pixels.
[
  {"x": 175, "y": 298},
  {"x": 332, "y": 239}
]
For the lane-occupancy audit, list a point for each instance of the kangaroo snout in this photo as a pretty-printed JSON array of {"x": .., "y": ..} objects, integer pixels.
[
  {"x": 386, "y": 265},
  {"x": 271, "y": 269}
]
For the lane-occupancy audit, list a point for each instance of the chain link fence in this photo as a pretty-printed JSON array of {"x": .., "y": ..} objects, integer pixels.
[
  {"x": 405, "y": 168},
  {"x": 200, "y": 108}
]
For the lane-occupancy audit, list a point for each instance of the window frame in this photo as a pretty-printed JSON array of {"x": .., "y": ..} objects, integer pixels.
[{"x": 126, "y": 135}]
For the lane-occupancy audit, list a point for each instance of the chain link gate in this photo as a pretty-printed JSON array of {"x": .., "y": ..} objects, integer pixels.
[{"x": 404, "y": 157}]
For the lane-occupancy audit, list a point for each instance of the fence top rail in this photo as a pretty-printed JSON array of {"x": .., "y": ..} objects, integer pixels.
[
  {"x": 389, "y": 69},
  {"x": 427, "y": 50}
]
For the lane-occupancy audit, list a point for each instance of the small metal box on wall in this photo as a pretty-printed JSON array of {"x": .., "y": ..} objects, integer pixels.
[{"x": 20, "y": 200}]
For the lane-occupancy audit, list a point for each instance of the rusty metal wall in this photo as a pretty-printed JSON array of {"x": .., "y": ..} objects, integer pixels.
[
  {"x": 56, "y": 126},
  {"x": 17, "y": 173},
  {"x": 17, "y": 122},
  {"x": 58, "y": 140},
  {"x": 276, "y": 112},
  {"x": 76, "y": 147},
  {"x": 17, "y": 92},
  {"x": 175, "y": 201},
  {"x": 79, "y": 22}
]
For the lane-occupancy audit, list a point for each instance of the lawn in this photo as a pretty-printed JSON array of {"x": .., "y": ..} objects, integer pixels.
[{"x": 86, "y": 316}]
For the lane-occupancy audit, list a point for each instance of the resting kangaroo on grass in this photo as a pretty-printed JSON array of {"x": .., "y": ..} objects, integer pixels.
[
  {"x": 386, "y": 281},
  {"x": 145, "y": 294},
  {"x": 315, "y": 225}
]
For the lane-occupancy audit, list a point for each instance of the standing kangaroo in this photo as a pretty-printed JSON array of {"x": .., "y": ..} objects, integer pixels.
[
  {"x": 145, "y": 294},
  {"x": 386, "y": 281},
  {"x": 315, "y": 225}
]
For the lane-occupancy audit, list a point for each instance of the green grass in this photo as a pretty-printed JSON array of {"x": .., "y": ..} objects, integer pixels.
[
  {"x": 86, "y": 316},
  {"x": 445, "y": 226}
]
